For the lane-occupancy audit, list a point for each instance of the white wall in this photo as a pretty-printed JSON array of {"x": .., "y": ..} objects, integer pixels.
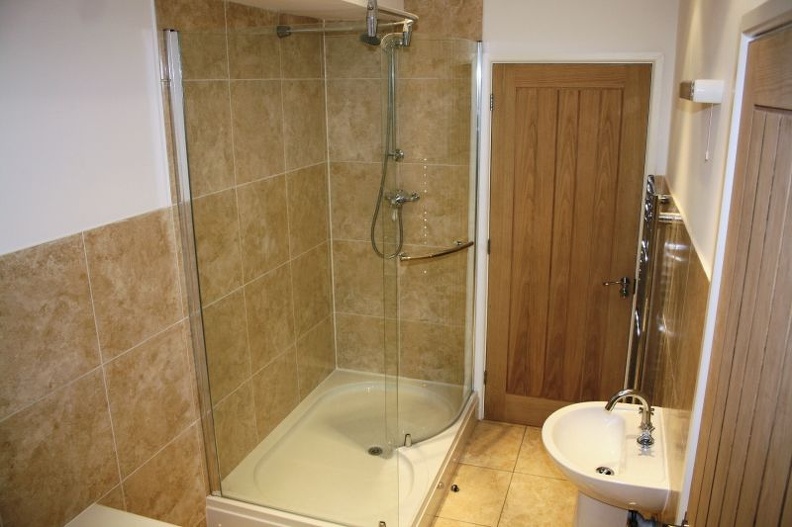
[
  {"x": 708, "y": 46},
  {"x": 81, "y": 140}
]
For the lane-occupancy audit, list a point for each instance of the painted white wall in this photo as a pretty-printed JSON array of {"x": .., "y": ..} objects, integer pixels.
[
  {"x": 708, "y": 47},
  {"x": 81, "y": 139}
]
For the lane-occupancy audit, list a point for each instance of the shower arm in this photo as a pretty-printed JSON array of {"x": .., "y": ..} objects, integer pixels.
[
  {"x": 285, "y": 31},
  {"x": 406, "y": 20}
]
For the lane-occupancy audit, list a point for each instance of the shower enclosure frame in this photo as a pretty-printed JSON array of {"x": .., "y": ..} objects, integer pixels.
[{"x": 175, "y": 107}]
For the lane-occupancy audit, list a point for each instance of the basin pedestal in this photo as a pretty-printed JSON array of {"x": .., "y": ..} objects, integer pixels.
[{"x": 594, "y": 513}]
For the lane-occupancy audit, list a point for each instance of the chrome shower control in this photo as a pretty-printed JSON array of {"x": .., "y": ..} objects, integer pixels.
[
  {"x": 400, "y": 197},
  {"x": 397, "y": 155}
]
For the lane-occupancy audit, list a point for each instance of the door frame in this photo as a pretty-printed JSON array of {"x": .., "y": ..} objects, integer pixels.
[
  {"x": 656, "y": 153},
  {"x": 754, "y": 24}
]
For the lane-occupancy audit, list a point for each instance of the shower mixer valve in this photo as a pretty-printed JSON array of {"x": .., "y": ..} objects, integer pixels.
[{"x": 400, "y": 197}]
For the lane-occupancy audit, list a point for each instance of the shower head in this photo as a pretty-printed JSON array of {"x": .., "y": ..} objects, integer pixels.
[{"x": 373, "y": 41}]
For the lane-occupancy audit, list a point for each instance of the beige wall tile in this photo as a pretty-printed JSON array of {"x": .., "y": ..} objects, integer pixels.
[
  {"x": 114, "y": 499},
  {"x": 349, "y": 58},
  {"x": 427, "y": 57},
  {"x": 432, "y": 352},
  {"x": 235, "y": 428},
  {"x": 270, "y": 314},
  {"x": 57, "y": 456},
  {"x": 46, "y": 321},
  {"x": 264, "y": 225},
  {"x": 534, "y": 458},
  {"x": 216, "y": 226},
  {"x": 190, "y": 14},
  {"x": 354, "y": 110},
  {"x": 304, "y": 129},
  {"x": 494, "y": 445},
  {"x": 134, "y": 280},
  {"x": 254, "y": 53},
  {"x": 171, "y": 486},
  {"x": 440, "y": 217},
  {"x": 275, "y": 392},
  {"x": 432, "y": 116},
  {"x": 308, "y": 208},
  {"x": 151, "y": 398},
  {"x": 256, "y": 107},
  {"x": 434, "y": 290},
  {"x": 460, "y": 18},
  {"x": 227, "y": 354},
  {"x": 315, "y": 356},
  {"x": 287, "y": 19},
  {"x": 360, "y": 342},
  {"x": 204, "y": 54},
  {"x": 302, "y": 56},
  {"x": 244, "y": 16},
  {"x": 312, "y": 288},
  {"x": 482, "y": 492},
  {"x": 543, "y": 502},
  {"x": 354, "y": 190},
  {"x": 358, "y": 278},
  {"x": 208, "y": 128}
]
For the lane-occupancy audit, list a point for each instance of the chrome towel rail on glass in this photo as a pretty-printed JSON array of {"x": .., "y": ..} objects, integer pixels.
[{"x": 458, "y": 246}]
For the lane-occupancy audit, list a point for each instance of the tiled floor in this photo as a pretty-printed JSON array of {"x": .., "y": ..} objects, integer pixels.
[{"x": 506, "y": 479}]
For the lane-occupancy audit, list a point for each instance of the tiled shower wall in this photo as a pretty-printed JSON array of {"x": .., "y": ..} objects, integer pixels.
[
  {"x": 98, "y": 399},
  {"x": 434, "y": 124},
  {"x": 256, "y": 137}
]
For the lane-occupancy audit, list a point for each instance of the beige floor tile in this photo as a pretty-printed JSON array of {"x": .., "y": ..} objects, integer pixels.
[
  {"x": 480, "y": 498},
  {"x": 494, "y": 445},
  {"x": 533, "y": 457},
  {"x": 534, "y": 501},
  {"x": 445, "y": 522}
]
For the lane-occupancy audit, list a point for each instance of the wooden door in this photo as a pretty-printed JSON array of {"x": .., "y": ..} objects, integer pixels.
[
  {"x": 744, "y": 457},
  {"x": 568, "y": 147}
]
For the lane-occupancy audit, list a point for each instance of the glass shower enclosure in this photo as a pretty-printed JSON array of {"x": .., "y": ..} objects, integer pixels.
[{"x": 327, "y": 201}]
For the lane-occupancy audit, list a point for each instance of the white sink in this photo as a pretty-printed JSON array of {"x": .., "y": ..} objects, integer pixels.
[{"x": 583, "y": 437}]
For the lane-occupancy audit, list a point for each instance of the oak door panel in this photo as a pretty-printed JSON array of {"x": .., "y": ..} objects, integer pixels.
[
  {"x": 744, "y": 460},
  {"x": 567, "y": 174}
]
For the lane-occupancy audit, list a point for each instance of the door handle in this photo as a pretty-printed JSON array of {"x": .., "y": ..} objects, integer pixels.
[{"x": 624, "y": 282}]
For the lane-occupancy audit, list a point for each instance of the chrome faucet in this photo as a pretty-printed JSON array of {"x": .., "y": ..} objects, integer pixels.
[{"x": 645, "y": 439}]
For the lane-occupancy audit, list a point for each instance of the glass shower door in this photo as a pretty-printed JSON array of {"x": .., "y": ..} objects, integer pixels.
[{"x": 438, "y": 88}]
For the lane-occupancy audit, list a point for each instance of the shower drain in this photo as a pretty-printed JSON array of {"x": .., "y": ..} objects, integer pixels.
[
  {"x": 375, "y": 450},
  {"x": 606, "y": 471}
]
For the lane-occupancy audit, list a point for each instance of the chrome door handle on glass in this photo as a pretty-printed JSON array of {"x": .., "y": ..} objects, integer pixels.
[{"x": 624, "y": 282}]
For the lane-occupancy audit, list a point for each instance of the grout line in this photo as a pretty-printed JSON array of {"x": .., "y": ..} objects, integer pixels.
[{"x": 102, "y": 365}]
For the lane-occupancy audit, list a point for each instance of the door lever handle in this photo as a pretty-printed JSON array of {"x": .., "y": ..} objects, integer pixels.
[{"x": 624, "y": 283}]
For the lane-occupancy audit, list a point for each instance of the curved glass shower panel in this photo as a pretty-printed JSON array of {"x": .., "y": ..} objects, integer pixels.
[{"x": 437, "y": 116}]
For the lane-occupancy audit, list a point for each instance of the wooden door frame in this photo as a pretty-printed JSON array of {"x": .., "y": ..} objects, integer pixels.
[
  {"x": 755, "y": 24},
  {"x": 653, "y": 158}
]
